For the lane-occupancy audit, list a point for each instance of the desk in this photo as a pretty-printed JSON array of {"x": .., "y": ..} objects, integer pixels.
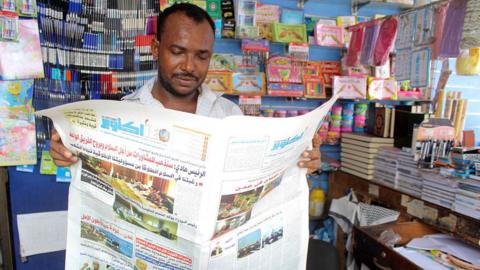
[{"x": 464, "y": 227}]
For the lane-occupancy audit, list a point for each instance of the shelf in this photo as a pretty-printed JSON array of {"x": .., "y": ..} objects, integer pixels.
[
  {"x": 465, "y": 227},
  {"x": 341, "y": 99},
  {"x": 359, "y": 4}
]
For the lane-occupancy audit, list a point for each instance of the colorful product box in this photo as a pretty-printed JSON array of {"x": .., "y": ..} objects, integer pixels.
[
  {"x": 328, "y": 35},
  {"x": 247, "y": 31},
  {"x": 292, "y": 16},
  {"x": 286, "y": 89},
  {"x": 312, "y": 68},
  {"x": 222, "y": 62},
  {"x": 264, "y": 17},
  {"x": 314, "y": 86},
  {"x": 329, "y": 69},
  {"x": 214, "y": 9},
  {"x": 249, "y": 83},
  {"x": 280, "y": 69},
  {"x": 220, "y": 81},
  {"x": 379, "y": 89},
  {"x": 287, "y": 33},
  {"x": 350, "y": 87}
]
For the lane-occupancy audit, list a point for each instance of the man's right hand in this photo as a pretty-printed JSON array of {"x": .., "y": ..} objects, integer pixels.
[{"x": 60, "y": 154}]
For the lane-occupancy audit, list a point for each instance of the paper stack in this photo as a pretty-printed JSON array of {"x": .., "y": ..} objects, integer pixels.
[
  {"x": 439, "y": 189},
  {"x": 409, "y": 177},
  {"x": 359, "y": 151},
  {"x": 386, "y": 166},
  {"x": 467, "y": 199}
]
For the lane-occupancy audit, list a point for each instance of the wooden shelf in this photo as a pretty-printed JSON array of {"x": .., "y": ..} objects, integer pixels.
[{"x": 465, "y": 227}]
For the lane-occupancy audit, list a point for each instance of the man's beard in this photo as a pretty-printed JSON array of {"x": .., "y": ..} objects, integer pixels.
[{"x": 169, "y": 87}]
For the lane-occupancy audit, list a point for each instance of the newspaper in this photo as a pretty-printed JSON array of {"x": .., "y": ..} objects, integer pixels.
[{"x": 161, "y": 189}]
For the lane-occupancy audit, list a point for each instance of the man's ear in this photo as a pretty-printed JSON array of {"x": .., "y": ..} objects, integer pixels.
[{"x": 154, "y": 47}]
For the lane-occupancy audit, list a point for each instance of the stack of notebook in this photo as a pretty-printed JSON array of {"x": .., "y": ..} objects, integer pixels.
[
  {"x": 359, "y": 151},
  {"x": 439, "y": 189},
  {"x": 467, "y": 199},
  {"x": 386, "y": 166},
  {"x": 408, "y": 175}
]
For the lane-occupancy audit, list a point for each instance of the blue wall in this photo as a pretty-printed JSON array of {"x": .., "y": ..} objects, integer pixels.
[{"x": 469, "y": 86}]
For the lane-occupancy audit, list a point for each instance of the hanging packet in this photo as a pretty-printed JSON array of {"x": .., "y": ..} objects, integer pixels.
[
  {"x": 385, "y": 41},
  {"x": 440, "y": 13},
  {"x": 468, "y": 62},
  {"x": 8, "y": 26},
  {"x": 355, "y": 47},
  {"x": 452, "y": 30},
  {"x": 370, "y": 38}
]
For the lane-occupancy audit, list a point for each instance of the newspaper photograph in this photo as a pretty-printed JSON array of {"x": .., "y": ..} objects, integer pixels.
[{"x": 161, "y": 189}]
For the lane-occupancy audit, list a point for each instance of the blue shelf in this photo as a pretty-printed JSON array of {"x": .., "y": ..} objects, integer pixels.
[{"x": 317, "y": 53}]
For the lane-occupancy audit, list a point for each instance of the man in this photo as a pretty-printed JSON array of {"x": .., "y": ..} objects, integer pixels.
[{"x": 183, "y": 48}]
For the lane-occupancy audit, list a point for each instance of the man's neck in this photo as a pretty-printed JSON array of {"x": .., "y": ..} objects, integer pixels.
[{"x": 170, "y": 101}]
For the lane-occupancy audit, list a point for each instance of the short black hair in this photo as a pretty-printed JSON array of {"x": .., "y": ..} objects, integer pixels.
[{"x": 194, "y": 12}]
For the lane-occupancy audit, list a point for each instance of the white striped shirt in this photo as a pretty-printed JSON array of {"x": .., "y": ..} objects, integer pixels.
[{"x": 209, "y": 103}]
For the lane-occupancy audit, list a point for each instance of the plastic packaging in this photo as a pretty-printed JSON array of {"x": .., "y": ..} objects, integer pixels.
[
  {"x": 389, "y": 238},
  {"x": 355, "y": 47},
  {"x": 317, "y": 201},
  {"x": 468, "y": 62},
  {"x": 369, "y": 41},
  {"x": 385, "y": 41}
]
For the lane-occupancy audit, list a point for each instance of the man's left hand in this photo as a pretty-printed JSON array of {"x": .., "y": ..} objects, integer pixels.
[{"x": 311, "y": 158}]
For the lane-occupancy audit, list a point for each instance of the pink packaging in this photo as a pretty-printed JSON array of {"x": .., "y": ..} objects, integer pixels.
[
  {"x": 385, "y": 41},
  {"x": 350, "y": 87},
  {"x": 292, "y": 113},
  {"x": 355, "y": 46},
  {"x": 382, "y": 89},
  {"x": 280, "y": 69},
  {"x": 328, "y": 35},
  {"x": 280, "y": 113}
]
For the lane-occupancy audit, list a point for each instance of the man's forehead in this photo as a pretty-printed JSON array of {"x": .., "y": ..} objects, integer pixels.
[{"x": 180, "y": 21}]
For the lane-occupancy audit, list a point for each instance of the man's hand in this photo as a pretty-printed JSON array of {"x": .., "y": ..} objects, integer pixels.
[
  {"x": 60, "y": 154},
  {"x": 311, "y": 158}
]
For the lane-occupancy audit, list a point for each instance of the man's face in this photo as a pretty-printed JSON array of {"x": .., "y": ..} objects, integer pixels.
[{"x": 183, "y": 52}]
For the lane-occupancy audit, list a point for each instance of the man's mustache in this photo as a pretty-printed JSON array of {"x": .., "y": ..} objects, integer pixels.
[{"x": 186, "y": 74}]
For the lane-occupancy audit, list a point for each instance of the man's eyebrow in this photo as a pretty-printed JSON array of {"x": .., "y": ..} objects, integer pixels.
[{"x": 177, "y": 47}]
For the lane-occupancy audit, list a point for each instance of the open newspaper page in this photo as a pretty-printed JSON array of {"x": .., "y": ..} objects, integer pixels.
[{"x": 161, "y": 189}]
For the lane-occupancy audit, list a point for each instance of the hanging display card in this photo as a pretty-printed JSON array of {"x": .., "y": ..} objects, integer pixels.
[
  {"x": 405, "y": 31},
  {"x": 424, "y": 27},
  {"x": 17, "y": 125},
  {"x": 420, "y": 68},
  {"x": 23, "y": 59},
  {"x": 403, "y": 66}
]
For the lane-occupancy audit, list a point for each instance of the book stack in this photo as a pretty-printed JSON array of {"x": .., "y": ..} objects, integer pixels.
[
  {"x": 386, "y": 166},
  {"x": 359, "y": 151},
  {"x": 409, "y": 177},
  {"x": 439, "y": 189},
  {"x": 467, "y": 199}
]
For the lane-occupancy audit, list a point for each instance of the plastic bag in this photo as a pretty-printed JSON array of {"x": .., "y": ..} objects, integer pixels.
[
  {"x": 355, "y": 46},
  {"x": 468, "y": 62},
  {"x": 452, "y": 28},
  {"x": 369, "y": 41},
  {"x": 385, "y": 41}
]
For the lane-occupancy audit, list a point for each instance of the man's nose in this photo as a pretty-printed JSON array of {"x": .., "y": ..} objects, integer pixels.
[{"x": 188, "y": 64}]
